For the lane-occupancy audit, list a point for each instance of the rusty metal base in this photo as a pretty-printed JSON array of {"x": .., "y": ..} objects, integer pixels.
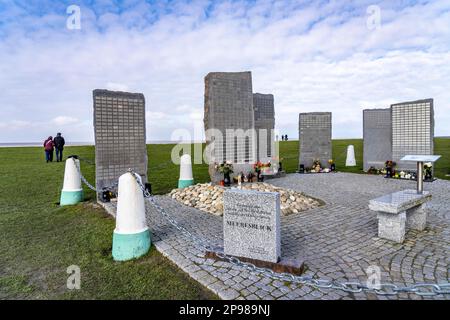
[{"x": 295, "y": 267}]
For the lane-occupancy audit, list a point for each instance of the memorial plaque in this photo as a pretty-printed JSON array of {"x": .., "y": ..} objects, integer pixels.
[
  {"x": 315, "y": 138},
  {"x": 119, "y": 124},
  {"x": 412, "y": 131},
  {"x": 264, "y": 126},
  {"x": 251, "y": 224},
  {"x": 229, "y": 121},
  {"x": 377, "y": 134}
]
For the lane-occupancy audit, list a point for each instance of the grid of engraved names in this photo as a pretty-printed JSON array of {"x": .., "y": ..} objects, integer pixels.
[
  {"x": 264, "y": 108},
  {"x": 315, "y": 121},
  {"x": 377, "y": 119},
  {"x": 377, "y": 137},
  {"x": 315, "y": 138},
  {"x": 411, "y": 129},
  {"x": 233, "y": 109},
  {"x": 264, "y": 131},
  {"x": 264, "y": 119},
  {"x": 120, "y": 137},
  {"x": 235, "y": 147}
]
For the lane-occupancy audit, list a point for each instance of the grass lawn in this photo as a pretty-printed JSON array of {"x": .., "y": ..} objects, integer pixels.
[{"x": 39, "y": 239}]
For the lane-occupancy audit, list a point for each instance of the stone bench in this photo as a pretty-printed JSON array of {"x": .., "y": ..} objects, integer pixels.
[{"x": 398, "y": 211}]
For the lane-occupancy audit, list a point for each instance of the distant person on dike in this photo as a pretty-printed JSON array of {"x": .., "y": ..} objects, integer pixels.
[
  {"x": 48, "y": 147},
  {"x": 59, "y": 146}
]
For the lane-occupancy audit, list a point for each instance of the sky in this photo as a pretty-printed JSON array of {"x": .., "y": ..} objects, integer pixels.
[{"x": 337, "y": 56}]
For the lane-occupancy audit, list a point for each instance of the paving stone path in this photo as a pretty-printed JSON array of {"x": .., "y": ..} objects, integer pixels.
[{"x": 337, "y": 241}]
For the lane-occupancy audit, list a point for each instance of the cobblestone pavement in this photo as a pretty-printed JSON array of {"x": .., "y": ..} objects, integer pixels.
[{"x": 337, "y": 241}]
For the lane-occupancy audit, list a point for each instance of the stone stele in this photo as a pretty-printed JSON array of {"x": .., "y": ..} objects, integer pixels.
[{"x": 251, "y": 224}]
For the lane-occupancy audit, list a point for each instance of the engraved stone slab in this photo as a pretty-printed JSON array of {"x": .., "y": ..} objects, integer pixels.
[
  {"x": 120, "y": 134},
  {"x": 229, "y": 121},
  {"x": 377, "y": 134},
  {"x": 251, "y": 224},
  {"x": 315, "y": 138},
  {"x": 412, "y": 131}
]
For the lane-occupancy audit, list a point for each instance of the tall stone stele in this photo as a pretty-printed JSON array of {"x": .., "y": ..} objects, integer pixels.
[
  {"x": 120, "y": 135},
  {"x": 377, "y": 135},
  {"x": 229, "y": 121},
  {"x": 315, "y": 138},
  {"x": 263, "y": 105},
  {"x": 412, "y": 131}
]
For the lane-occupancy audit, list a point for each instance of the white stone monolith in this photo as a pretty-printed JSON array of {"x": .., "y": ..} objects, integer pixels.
[{"x": 350, "y": 161}]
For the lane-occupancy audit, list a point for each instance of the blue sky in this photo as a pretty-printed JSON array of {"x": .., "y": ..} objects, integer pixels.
[{"x": 312, "y": 55}]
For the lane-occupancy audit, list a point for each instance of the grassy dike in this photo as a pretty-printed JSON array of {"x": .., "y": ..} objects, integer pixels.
[{"x": 39, "y": 239}]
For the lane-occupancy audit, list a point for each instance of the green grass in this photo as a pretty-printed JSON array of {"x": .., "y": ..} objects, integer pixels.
[
  {"x": 163, "y": 174},
  {"x": 289, "y": 152},
  {"x": 39, "y": 239}
]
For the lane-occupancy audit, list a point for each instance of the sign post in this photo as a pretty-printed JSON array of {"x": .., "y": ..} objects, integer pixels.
[{"x": 420, "y": 159}]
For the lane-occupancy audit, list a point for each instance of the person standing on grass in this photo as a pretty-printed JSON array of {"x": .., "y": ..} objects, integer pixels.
[
  {"x": 48, "y": 147},
  {"x": 59, "y": 146}
]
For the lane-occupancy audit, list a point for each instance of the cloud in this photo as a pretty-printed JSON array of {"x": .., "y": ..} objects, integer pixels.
[
  {"x": 64, "y": 120},
  {"x": 116, "y": 86},
  {"x": 313, "y": 56}
]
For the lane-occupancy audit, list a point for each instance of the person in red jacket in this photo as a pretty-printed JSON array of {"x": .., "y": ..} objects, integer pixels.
[{"x": 49, "y": 145}]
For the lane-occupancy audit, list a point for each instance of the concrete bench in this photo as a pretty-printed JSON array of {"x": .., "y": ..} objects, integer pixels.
[{"x": 398, "y": 211}]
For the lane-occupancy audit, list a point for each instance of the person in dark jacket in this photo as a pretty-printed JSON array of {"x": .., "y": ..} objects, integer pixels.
[
  {"x": 59, "y": 146},
  {"x": 48, "y": 147}
]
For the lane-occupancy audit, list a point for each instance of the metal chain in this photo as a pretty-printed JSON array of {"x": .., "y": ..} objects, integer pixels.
[
  {"x": 199, "y": 241},
  {"x": 422, "y": 289},
  {"x": 88, "y": 161},
  {"x": 90, "y": 186}
]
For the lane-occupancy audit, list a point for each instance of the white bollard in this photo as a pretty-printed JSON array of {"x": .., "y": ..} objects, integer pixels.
[
  {"x": 350, "y": 161},
  {"x": 72, "y": 192},
  {"x": 131, "y": 238},
  {"x": 186, "y": 178}
]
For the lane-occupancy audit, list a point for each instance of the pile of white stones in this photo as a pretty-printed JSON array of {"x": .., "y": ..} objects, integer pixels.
[{"x": 209, "y": 198}]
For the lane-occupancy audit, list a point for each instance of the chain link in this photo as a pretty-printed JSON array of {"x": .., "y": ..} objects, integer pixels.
[
  {"x": 90, "y": 186},
  {"x": 88, "y": 161},
  {"x": 421, "y": 289}
]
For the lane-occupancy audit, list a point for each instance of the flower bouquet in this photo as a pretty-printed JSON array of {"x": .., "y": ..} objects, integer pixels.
[
  {"x": 259, "y": 166},
  {"x": 428, "y": 168},
  {"x": 316, "y": 166},
  {"x": 390, "y": 168},
  {"x": 226, "y": 168}
]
